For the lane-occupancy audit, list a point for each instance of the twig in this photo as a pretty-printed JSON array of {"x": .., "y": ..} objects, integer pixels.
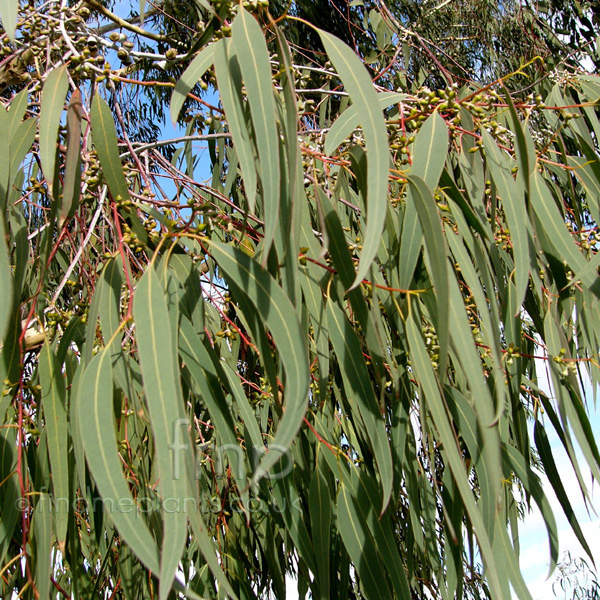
[{"x": 81, "y": 248}]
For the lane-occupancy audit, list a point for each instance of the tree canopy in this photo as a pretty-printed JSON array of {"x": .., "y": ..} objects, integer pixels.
[{"x": 343, "y": 357}]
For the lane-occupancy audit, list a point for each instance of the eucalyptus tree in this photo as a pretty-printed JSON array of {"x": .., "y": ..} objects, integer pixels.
[{"x": 341, "y": 356}]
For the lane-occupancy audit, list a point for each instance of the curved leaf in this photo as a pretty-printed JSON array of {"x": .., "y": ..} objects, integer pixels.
[
  {"x": 72, "y": 181},
  {"x": 53, "y": 100},
  {"x": 430, "y": 150},
  {"x": 361, "y": 547},
  {"x": 8, "y": 13},
  {"x": 253, "y": 58},
  {"x": 279, "y": 316},
  {"x": 360, "y": 394},
  {"x": 229, "y": 79},
  {"x": 7, "y": 284},
  {"x": 433, "y": 240},
  {"x": 104, "y": 135},
  {"x": 169, "y": 423},
  {"x": 358, "y": 84},
  {"x": 95, "y": 404},
  {"x": 190, "y": 77},
  {"x": 349, "y": 120},
  {"x": 55, "y": 415},
  {"x": 513, "y": 203}
]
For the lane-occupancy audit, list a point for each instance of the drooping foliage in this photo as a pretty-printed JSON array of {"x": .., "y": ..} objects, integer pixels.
[{"x": 344, "y": 355}]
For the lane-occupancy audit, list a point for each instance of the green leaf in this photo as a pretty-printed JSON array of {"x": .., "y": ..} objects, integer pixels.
[
  {"x": 475, "y": 438},
  {"x": 11, "y": 493},
  {"x": 433, "y": 240},
  {"x": 525, "y": 150},
  {"x": 104, "y": 135},
  {"x": 20, "y": 145},
  {"x": 169, "y": 423},
  {"x": 4, "y": 161},
  {"x": 513, "y": 203},
  {"x": 255, "y": 67},
  {"x": 430, "y": 389},
  {"x": 190, "y": 77},
  {"x": 360, "y": 87},
  {"x": 361, "y": 547},
  {"x": 533, "y": 485},
  {"x": 72, "y": 180},
  {"x": 53, "y": 100},
  {"x": 365, "y": 497},
  {"x": 203, "y": 538},
  {"x": 555, "y": 230},
  {"x": 508, "y": 565},
  {"x": 7, "y": 285},
  {"x": 411, "y": 241},
  {"x": 42, "y": 529},
  {"x": 360, "y": 394},
  {"x": 229, "y": 79},
  {"x": 8, "y": 13},
  {"x": 288, "y": 502},
  {"x": 55, "y": 416},
  {"x": 430, "y": 150},
  {"x": 279, "y": 315},
  {"x": 319, "y": 502},
  {"x": 94, "y": 414},
  {"x": 246, "y": 412},
  {"x": 16, "y": 113},
  {"x": 196, "y": 359}
]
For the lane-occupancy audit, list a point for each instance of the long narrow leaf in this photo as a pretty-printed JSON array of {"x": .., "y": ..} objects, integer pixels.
[
  {"x": 358, "y": 83},
  {"x": 349, "y": 120},
  {"x": 361, "y": 395},
  {"x": 53, "y": 99},
  {"x": 430, "y": 150},
  {"x": 94, "y": 411},
  {"x": 433, "y": 239},
  {"x": 253, "y": 58},
  {"x": 190, "y": 78},
  {"x": 169, "y": 424},
  {"x": 280, "y": 317},
  {"x": 8, "y": 13},
  {"x": 7, "y": 284},
  {"x": 70, "y": 199},
  {"x": 361, "y": 547},
  {"x": 104, "y": 135},
  {"x": 55, "y": 414},
  {"x": 230, "y": 81},
  {"x": 513, "y": 203},
  {"x": 543, "y": 447}
]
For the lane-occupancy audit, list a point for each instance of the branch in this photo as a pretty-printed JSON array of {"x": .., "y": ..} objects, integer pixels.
[
  {"x": 112, "y": 26},
  {"x": 185, "y": 138},
  {"x": 129, "y": 26}
]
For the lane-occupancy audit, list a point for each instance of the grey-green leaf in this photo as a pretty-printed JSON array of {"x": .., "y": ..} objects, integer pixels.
[
  {"x": 190, "y": 78},
  {"x": 104, "y": 135},
  {"x": 280, "y": 317},
  {"x": 53, "y": 99},
  {"x": 8, "y": 13},
  {"x": 430, "y": 150},
  {"x": 169, "y": 423},
  {"x": 253, "y": 58},
  {"x": 358, "y": 84},
  {"x": 95, "y": 422},
  {"x": 55, "y": 415}
]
